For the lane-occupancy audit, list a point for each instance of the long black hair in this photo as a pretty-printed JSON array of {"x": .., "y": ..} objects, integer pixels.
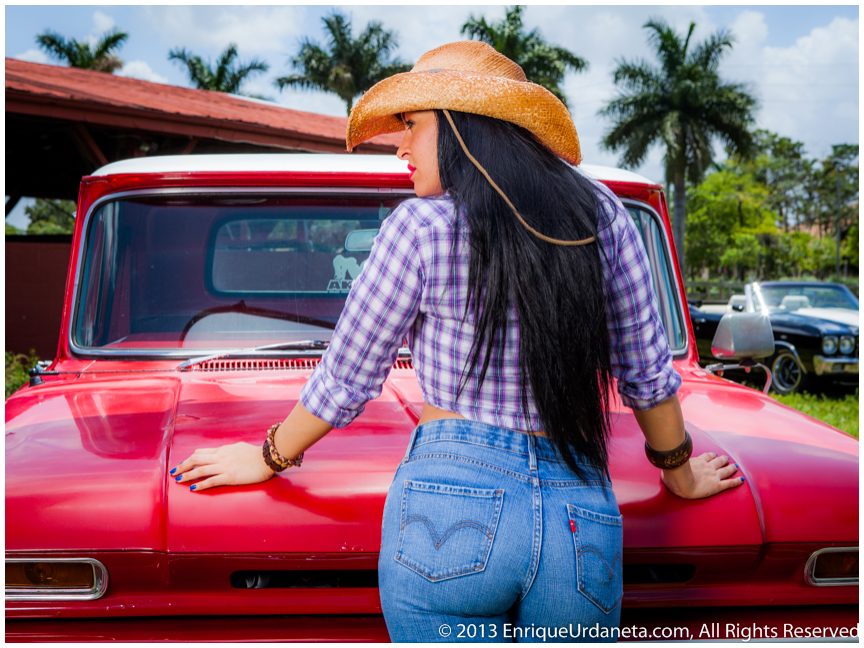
[{"x": 558, "y": 291}]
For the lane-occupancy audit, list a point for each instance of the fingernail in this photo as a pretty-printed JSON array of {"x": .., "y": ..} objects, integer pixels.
[
  {"x": 173, "y": 470},
  {"x": 178, "y": 478},
  {"x": 192, "y": 487},
  {"x": 742, "y": 479},
  {"x": 736, "y": 465}
]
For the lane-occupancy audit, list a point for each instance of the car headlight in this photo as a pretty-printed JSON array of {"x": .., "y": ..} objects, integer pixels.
[
  {"x": 829, "y": 344},
  {"x": 832, "y": 566},
  {"x": 55, "y": 579},
  {"x": 847, "y": 344}
]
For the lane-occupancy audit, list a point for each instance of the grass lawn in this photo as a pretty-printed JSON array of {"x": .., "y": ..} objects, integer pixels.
[{"x": 841, "y": 412}]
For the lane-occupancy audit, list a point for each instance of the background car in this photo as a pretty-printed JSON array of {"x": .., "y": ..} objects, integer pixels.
[
  {"x": 815, "y": 331},
  {"x": 201, "y": 294}
]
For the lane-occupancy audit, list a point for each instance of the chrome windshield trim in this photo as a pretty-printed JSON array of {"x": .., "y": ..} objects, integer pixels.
[
  {"x": 100, "y": 583},
  {"x": 101, "y": 352},
  {"x": 667, "y": 248},
  {"x": 810, "y": 567}
]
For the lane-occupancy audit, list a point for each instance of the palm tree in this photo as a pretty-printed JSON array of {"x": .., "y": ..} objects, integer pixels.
[
  {"x": 542, "y": 63},
  {"x": 82, "y": 55},
  {"x": 228, "y": 75},
  {"x": 351, "y": 66},
  {"x": 682, "y": 105}
]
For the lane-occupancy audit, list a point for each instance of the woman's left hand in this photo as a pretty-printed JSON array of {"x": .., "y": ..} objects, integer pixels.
[
  {"x": 703, "y": 476},
  {"x": 235, "y": 464}
]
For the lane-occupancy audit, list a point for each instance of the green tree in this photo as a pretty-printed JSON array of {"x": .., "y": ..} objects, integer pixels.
[
  {"x": 851, "y": 247},
  {"x": 780, "y": 164},
  {"x": 81, "y": 55},
  {"x": 229, "y": 74},
  {"x": 351, "y": 65},
  {"x": 681, "y": 104},
  {"x": 792, "y": 254},
  {"x": 743, "y": 255},
  {"x": 542, "y": 63},
  {"x": 727, "y": 203},
  {"x": 834, "y": 187},
  {"x": 51, "y": 217}
]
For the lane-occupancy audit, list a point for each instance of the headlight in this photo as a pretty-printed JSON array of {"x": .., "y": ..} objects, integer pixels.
[
  {"x": 832, "y": 566},
  {"x": 847, "y": 344},
  {"x": 829, "y": 344},
  {"x": 55, "y": 579}
]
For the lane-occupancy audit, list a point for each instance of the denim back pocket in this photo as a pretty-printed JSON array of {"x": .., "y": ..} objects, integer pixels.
[
  {"x": 447, "y": 531},
  {"x": 598, "y": 540}
]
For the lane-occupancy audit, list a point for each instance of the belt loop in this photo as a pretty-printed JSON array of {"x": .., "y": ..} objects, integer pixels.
[
  {"x": 410, "y": 444},
  {"x": 532, "y": 452}
]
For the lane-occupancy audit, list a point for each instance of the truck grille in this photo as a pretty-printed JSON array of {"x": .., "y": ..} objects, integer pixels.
[{"x": 288, "y": 364}]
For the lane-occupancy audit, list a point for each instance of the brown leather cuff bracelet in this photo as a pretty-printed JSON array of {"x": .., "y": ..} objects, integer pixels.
[{"x": 667, "y": 459}]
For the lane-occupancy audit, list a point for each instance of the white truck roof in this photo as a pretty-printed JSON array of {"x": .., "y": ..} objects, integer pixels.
[{"x": 305, "y": 163}]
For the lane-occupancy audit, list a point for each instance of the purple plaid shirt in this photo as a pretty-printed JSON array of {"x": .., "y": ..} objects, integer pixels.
[{"x": 405, "y": 290}]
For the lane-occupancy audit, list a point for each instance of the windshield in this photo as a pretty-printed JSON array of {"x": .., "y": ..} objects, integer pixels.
[
  {"x": 184, "y": 274},
  {"x": 788, "y": 299},
  {"x": 205, "y": 272}
]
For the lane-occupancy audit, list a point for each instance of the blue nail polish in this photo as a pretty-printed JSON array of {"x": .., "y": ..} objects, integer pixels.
[
  {"x": 742, "y": 479},
  {"x": 736, "y": 465},
  {"x": 173, "y": 470},
  {"x": 192, "y": 487},
  {"x": 178, "y": 478}
]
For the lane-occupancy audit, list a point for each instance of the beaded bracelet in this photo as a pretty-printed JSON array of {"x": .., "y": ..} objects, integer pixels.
[
  {"x": 272, "y": 458},
  {"x": 668, "y": 459}
]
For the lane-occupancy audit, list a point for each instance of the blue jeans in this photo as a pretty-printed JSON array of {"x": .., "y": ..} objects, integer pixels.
[{"x": 488, "y": 536}]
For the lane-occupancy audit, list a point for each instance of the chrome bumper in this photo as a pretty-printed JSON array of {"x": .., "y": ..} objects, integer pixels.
[{"x": 823, "y": 366}]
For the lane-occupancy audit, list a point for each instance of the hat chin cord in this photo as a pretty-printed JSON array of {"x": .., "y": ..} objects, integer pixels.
[{"x": 506, "y": 199}]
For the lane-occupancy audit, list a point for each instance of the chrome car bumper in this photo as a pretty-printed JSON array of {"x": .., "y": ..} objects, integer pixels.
[{"x": 823, "y": 366}]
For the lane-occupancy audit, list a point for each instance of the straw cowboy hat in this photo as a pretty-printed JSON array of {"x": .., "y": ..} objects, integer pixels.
[{"x": 471, "y": 77}]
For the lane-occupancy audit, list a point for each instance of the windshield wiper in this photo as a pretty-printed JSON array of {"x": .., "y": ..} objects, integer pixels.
[{"x": 285, "y": 346}]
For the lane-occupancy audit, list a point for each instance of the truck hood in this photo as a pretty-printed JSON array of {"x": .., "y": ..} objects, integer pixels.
[{"x": 87, "y": 464}]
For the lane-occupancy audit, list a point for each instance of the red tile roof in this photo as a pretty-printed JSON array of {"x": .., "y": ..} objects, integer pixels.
[{"x": 100, "y": 98}]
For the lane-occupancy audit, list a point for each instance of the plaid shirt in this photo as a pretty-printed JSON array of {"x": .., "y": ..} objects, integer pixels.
[{"x": 405, "y": 290}]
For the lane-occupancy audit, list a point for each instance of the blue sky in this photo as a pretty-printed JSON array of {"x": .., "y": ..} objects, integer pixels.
[{"x": 801, "y": 61}]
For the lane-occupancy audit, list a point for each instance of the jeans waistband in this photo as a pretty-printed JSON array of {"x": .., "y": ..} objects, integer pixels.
[{"x": 462, "y": 430}]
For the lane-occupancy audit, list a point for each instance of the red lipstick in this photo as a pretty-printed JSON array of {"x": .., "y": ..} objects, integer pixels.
[{"x": 411, "y": 170}]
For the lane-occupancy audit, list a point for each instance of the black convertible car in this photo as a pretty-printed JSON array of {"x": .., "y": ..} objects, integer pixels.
[{"x": 815, "y": 328}]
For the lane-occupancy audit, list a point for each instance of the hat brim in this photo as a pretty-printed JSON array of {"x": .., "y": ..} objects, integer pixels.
[{"x": 521, "y": 102}]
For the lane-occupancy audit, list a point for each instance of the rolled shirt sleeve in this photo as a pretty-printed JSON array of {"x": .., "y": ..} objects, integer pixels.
[
  {"x": 640, "y": 353},
  {"x": 381, "y": 307}
]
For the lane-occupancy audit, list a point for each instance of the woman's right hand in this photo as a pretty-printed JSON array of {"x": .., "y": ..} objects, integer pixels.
[
  {"x": 703, "y": 476},
  {"x": 235, "y": 464}
]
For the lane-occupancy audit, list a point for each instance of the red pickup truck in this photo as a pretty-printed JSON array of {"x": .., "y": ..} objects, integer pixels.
[{"x": 201, "y": 293}]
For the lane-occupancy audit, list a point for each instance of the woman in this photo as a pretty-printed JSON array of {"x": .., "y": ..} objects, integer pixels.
[{"x": 522, "y": 288}]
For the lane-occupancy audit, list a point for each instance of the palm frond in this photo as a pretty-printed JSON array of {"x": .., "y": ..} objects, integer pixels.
[
  {"x": 479, "y": 29},
  {"x": 349, "y": 66},
  {"x": 110, "y": 41},
  {"x": 707, "y": 55}
]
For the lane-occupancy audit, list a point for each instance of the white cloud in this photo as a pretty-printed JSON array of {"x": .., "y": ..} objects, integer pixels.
[
  {"x": 255, "y": 29},
  {"x": 140, "y": 70},
  {"x": 102, "y": 22},
  {"x": 33, "y": 56},
  {"x": 808, "y": 91}
]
